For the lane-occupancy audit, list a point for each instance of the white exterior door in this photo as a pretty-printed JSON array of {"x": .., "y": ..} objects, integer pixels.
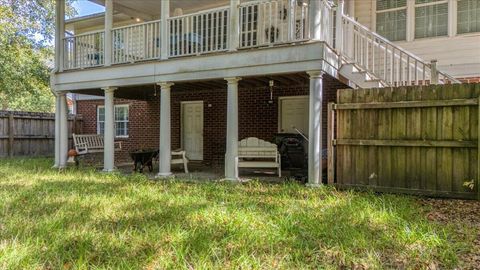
[
  {"x": 294, "y": 114},
  {"x": 192, "y": 129}
]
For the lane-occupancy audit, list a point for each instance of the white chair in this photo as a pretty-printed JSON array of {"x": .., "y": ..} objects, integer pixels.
[{"x": 179, "y": 157}]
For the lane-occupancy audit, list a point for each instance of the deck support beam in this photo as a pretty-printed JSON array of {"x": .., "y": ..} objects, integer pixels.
[
  {"x": 165, "y": 154},
  {"x": 63, "y": 130},
  {"x": 315, "y": 128},
  {"x": 232, "y": 129},
  {"x": 109, "y": 133},
  {"x": 57, "y": 131}
]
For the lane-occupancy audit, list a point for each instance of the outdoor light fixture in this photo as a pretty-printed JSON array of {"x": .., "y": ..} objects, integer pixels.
[{"x": 271, "y": 83}]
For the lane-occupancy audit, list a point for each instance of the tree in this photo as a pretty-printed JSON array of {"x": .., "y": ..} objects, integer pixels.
[{"x": 26, "y": 54}]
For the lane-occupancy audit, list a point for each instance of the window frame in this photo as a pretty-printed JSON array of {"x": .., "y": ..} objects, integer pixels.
[
  {"x": 411, "y": 5},
  {"x": 434, "y": 3},
  {"x": 115, "y": 121},
  {"x": 456, "y": 23},
  {"x": 376, "y": 12}
]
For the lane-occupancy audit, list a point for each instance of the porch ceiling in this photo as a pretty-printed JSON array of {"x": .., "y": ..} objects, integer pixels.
[
  {"x": 247, "y": 82},
  {"x": 149, "y": 9},
  {"x": 149, "y": 92}
]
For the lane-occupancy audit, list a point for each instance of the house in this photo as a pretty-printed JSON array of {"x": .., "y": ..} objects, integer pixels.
[{"x": 203, "y": 75}]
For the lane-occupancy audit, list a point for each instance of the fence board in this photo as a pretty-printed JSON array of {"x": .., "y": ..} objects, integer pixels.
[
  {"x": 419, "y": 139},
  {"x": 384, "y": 132},
  {"x": 31, "y": 134}
]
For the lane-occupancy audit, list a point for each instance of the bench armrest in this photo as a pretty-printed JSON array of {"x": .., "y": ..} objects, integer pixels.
[
  {"x": 179, "y": 152},
  {"x": 81, "y": 148}
]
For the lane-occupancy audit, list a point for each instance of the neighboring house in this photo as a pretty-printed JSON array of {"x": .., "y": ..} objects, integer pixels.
[{"x": 202, "y": 75}]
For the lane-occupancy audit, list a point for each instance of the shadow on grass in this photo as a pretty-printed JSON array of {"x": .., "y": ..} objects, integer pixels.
[{"x": 128, "y": 222}]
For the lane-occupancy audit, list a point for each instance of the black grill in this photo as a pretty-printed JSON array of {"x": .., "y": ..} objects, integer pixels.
[{"x": 293, "y": 151}]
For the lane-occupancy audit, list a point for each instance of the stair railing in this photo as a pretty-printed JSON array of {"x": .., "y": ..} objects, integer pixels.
[{"x": 380, "y": 57}]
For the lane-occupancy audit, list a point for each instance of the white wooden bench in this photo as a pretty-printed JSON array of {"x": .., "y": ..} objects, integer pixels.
[
  {"x": 91, "y": 143},
  {"x": 257, "y": 153}
]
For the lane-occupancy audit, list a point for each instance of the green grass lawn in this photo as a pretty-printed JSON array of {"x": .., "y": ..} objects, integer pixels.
[{"x": 82, "y": 219}]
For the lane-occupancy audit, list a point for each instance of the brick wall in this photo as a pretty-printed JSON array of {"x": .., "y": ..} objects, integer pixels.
[
  {"x": 257, "y": 118},
  {"x": 470, "y": 80},
  {"x": 143, "y": 124}
]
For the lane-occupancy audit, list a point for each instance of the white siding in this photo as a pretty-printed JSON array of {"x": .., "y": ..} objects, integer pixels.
[
  {"x": 459, "y": 56},
  {"x": 363, "y": 12}
]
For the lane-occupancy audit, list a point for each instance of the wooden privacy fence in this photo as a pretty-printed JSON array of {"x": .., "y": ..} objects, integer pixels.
[
  {"x": 31, "y": 134},
  {"x": 419, "y": 139}
]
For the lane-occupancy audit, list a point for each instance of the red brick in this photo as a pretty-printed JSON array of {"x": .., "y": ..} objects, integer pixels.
[{"x": 257, "y": 118}]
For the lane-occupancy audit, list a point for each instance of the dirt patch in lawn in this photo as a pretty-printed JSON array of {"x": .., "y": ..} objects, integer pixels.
[{"x": 460, "y": 214}]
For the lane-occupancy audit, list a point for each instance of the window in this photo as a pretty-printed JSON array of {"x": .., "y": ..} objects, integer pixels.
[
  {"x": 468, "y": 14},
  {"x": 431, "y": 18},
  {"x": 392, "y": 19},
  {"x": 121, "y": 120}
]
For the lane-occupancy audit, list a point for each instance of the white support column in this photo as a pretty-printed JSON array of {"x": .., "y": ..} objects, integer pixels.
[
  {"x": 349, "y": 40},
  {"x": 165, "y": 155},
  {"x": 339, "y": 26},
  {"x": 452, "y": 17},
  {"x": 164, "y": 31},
  {"x": 59, "y": 33},
  {"x": 234, "y": 34},
  {"x": 291, "y": 20},
  {"x": 315, "y": 15},
  {"x": 109, "y": 132},
  {"x": 57, "y": 131},
  {"x": 108, "y": 32},
  {"x": 63, "y": 132},
  {"x": 315, "y": 128},
  {"x": 232, "y": 129},
  {"x": 410, "y": 20}
]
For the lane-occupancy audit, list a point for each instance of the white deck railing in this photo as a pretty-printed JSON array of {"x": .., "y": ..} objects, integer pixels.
[
  {"x": 385, "y": 60},
  {"x": 260, "y": 23},
  {"x": 82, "y": 51},
  {"x": 136, "y": 42},
  {"x": 272, "y": 22},
  {"x": 198, "y": 33}
]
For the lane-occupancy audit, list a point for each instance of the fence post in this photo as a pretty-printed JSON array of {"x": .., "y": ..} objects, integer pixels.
[
  {"x": 11, "y": 135},
  {"x": 74, "y": 124},
  {"x": 478, "y": 152},
  {"x": 72, "y": 131},
  {"x": 434, "y": 72},
  {"x": 330, "y": 138}
]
